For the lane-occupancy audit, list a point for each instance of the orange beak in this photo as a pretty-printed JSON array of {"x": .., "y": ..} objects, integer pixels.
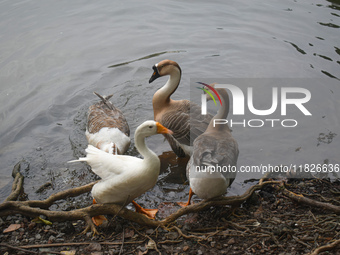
[{"x": 162, "y": 130}]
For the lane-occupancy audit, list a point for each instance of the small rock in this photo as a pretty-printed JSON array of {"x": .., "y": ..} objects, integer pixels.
[
  {"x": 149, "y": 231},
  {"x": 186, "y": 227},
  {"x": 171, "y": 235},
  {"x": 51, "y": 239},
  {"x": 141, "y": 248},
  {"x": 60, "y": 235},
  {"x": 15, "y": 233},
  {"x": 37, "y": 236},
  {"x": 165, "y": 247},
  {"x": 31, "y": 225},
  {"x": 199, "y": 252},
  {"x": 44, "y": 250},
  {"x": 67, "y": 228},
  {"x": 185, "y": 248},
  {"x": 213, "y": 244},
  {"x": 231, "y": 241},
  {"x": 94, "y": 247}
]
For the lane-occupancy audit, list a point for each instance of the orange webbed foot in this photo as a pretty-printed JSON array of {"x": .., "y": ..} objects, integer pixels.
[{"x": 150, "y": 213}]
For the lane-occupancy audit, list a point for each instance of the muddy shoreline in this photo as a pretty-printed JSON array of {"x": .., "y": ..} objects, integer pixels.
[{"x": 267, "y": 223}]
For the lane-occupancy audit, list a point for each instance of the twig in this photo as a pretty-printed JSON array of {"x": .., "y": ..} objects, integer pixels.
[
  {"x": 28, "y": 207},
  {"x": 186, "y": 236},
  {"x": 35, "y": 246},
  {"x": 146, "y": 236},
  {"x": 17, "y": 183},
  {"x": 327, "y": 247},
  {"x": 310, "y": 202},
  {"x": 233, "y": 200},
  {"x": 300, "y": 242},
  {"x": 18, "y": 248},
  {"x": 125, "y": 204},
  {"x": 121, "y": 247}
]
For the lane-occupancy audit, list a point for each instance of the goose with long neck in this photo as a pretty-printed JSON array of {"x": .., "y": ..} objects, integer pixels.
[
  {"x": 124, "y": 177},
  {"x": 175, "y": 114},
  {"x": 107, "y": 128},
  {"x": 214, "y": 149}
]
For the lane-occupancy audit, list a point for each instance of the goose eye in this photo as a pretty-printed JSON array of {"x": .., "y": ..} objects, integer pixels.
[{"x": 150, "y": 126}]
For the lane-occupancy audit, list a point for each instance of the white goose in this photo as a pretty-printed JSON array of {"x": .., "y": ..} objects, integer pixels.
[
  {"x": 175, "y": 114},
  {"x": 107, "y": 128},
  {"x": 125, "y": 177},
  {"x": 215, "y": 147}
]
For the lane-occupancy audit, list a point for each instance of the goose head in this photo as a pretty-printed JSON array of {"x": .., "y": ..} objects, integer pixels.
[
  {"x": 163, "y": 68},
  {"x": 150, "y": 127}
]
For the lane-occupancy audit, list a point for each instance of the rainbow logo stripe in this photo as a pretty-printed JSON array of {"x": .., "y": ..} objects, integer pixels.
[{"x": 209, "y": 93}]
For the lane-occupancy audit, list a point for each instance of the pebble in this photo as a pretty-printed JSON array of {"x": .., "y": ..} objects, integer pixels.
[
  {"x": 231, "y": 241},
  {"x": 94, "y": 247},
  {"x": 149, "y": 231},
  {"x": 60, "y": 235},
  {"x": 141, "y": 248},
  {"x": 38, "y": 236},
  {"x": 185, "y": 248},
  {"x": 172, "y": 235},
  {"x": 51, "y": 239}
]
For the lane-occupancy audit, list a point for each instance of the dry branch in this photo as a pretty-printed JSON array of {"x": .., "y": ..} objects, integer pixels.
[
  {"x": 328, "y": 247},
  {"x": 33, "y": 208},
  {"x": 36, "y": 208},
  {"x": 17, "y": 183},
  {"x": 310, "y": 202}
]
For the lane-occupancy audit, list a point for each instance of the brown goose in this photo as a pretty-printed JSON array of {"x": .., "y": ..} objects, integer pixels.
[
  {"x": 215, "y": 147},
  {"x": 107, "y": 128},
  {"x": 175, "y": 114}
]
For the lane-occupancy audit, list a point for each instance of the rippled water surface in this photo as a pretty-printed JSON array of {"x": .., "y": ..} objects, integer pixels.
[{"x": 54, "y": 54}]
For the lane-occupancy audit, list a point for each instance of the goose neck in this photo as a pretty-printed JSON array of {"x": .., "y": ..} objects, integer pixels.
[
  {"x": 142, "y": 148},
  {"x": 163, "y": 94}
]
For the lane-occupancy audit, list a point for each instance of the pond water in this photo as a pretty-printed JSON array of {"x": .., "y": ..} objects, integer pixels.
[{"x": 54, "y": 54}]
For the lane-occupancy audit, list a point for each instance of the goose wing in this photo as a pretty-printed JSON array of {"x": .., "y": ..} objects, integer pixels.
[
  {"x": 221, "y": 150},
  {"x": 106, "y": 165},
  {"x": 186, "y": 122},
  {"x": 105, "y": 114}
]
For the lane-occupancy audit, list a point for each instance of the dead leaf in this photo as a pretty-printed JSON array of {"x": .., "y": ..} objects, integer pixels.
[
  {"x": 40, "y": 220},
  {"x": 12, "y": 228},
  {"x": 72, "y": 252},
  {"x": 151, "y": 245}
]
